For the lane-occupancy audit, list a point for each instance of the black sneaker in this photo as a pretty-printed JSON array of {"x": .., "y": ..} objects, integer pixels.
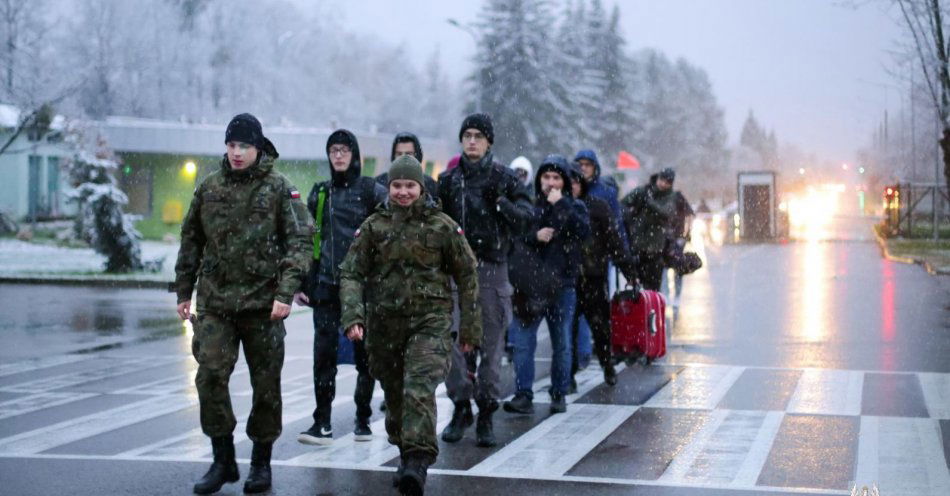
[
  {"x": 320, "y": 435},
  {"x": 573, "y": 388},
  {"x": 362, "y": 432},
  {"x": 558, "y": 404},
  {"x": 521, "y": 403}
]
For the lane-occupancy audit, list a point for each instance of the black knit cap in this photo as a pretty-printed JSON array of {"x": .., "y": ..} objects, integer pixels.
[
  {"x": 668, "y": 174},
  {"x": 482, "y": 122},
  {"x": 246, "y": 129}
]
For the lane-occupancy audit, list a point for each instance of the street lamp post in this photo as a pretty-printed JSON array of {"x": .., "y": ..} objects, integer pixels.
[{"x": 478, "y": 82}]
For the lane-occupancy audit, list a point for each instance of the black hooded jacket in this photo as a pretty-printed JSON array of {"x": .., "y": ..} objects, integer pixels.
[
  {"x": 350, "y": 199},
  {"x": 488, "y": 200},
  {"x": 560, "y": 257},
  {"x": 430, "y": 185},
  {"x": 605, "y": 242}
]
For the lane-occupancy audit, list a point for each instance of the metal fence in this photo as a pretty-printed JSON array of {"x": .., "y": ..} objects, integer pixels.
[{"x": 917, "y": 210}]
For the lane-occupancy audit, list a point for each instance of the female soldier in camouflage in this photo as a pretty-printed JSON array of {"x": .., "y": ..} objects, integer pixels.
[{"x": 396, "y": 283}]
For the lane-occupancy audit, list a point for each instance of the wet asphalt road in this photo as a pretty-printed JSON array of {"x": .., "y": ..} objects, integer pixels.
[{"x": 793, "y": 368}]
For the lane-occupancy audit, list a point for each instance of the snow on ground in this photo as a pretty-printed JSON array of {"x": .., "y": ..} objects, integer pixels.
[{"x": 19, "y": 258}]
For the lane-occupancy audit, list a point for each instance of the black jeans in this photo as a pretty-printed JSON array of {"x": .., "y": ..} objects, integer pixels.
[
  {"x": 594, "y": 305},
  {"x": 326, "y": 341},
  {"x": 650, "y": 269}
]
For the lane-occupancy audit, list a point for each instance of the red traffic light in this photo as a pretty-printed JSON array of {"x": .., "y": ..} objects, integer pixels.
[{"x": 889, "y": 191}]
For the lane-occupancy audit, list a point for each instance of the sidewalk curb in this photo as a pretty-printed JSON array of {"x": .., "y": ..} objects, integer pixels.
[
  {"x": 882, "y": 244},
  {"x": 86, "y": 281}
]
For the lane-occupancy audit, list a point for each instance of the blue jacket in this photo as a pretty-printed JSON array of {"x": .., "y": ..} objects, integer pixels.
[{"x": 597, "y": 188}]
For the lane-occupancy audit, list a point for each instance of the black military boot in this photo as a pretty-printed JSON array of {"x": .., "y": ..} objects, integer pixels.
[
  {"x": 461, "y": 419},
  {"x": 224, "y": 468},
  {"x": 412, "y": 482},
  {"x": 610, "y": 374},
  {"x": 259, "y": 479},
  {"x": 484, "y": 431}
]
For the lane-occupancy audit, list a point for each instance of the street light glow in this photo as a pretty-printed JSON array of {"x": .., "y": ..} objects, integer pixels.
[
  {"x": 190, "y": 169},
  {"x": 844, "y": 166},
  {"x": 860, "y": 170},
  {"x": 801, "y": 171}
]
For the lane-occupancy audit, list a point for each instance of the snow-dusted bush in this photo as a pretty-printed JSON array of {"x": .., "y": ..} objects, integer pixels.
[{"x": 100, "y": 220}]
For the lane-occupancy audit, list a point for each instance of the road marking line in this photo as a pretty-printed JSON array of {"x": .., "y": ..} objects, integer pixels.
[
  {"x": 587, "y": 380},
  {"x": 40, "y": 363},
  {"x": 45, "y": 438},
  {"x": 828, "y": 392},
  {"x": 194, "y": 444},
  {"x": 866, "y": 469},
  {"x": 558, "y": 443},
  {"x": 903, "y": 456},
  {"x": 697, "y": 387},
  {"x": 39, "y": 401},
  {"x": 936, "y": 389},
  {"x": 748, "y": 473},
  {"x": 678, "y": 468},
  {"x": 349, "y": 452},
  {"x": 126, "y": 366},
  {"x": 462, "y": 473}
]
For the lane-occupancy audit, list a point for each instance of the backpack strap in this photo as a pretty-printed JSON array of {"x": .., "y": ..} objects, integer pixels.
[{"x": 322, "y": 194}]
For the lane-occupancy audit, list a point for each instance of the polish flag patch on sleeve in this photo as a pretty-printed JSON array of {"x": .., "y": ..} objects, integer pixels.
[
  {"x": 458, "y": 229},
  {"x": 357, "y": 234},
  {"x": 294, "y": 194}
]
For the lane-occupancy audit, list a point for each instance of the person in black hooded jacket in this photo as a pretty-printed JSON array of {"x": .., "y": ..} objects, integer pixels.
[
  {"x": 339, "y": 206},
  {"x": 408, "y": 144},
  {"x": 544, "y": 269},
  {"x": 492, "y": 206},
  {"x": 605, "y": 243}
]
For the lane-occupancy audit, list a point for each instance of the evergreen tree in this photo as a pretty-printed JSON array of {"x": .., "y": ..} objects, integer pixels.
[
  {"x": 572, "y": 44},
  {"x": 100, "y": 221},
  {"x": 518, "y": 76},
  {"x": 615, "y": 123}
]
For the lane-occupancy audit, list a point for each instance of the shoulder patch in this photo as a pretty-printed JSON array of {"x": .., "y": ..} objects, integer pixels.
[
  {"x": 459, "y": 231},
  {"x": 294, "y": 194},
  {"x": 357, "y": 233}
]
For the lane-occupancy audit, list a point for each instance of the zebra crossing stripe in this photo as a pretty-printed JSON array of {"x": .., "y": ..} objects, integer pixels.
[
  {"x": 124, "y": 366},
  {"x": 34, "y": 402},
  {"x": 828, "y": 392},
  {"x": 42, "y": 439},
  {"x": 903, "y": 456},
  {"x": 936, "y": 389},
  {"x": 39, "y": 363},
  {"x": 751, "y": 467},
  {"x": 699, "y": 387},
  {"x": 558, "y": 443}
]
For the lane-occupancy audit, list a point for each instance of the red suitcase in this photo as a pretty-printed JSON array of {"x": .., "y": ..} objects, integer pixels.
[{"x": 638, "y": 324}]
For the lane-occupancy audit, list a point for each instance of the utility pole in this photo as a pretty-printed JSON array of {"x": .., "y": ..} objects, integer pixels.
[{"x": 478, "y": 74}]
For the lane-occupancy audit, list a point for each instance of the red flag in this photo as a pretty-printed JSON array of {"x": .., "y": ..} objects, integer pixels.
[{"x": 626, "y": 160}]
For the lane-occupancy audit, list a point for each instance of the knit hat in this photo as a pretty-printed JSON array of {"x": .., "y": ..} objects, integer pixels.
[
  {"x": 668, "y": 175},
  {"x": 245, "y": 128},
  {"x": 482, "y": 122},
  {"x": 406, "y": 167}
]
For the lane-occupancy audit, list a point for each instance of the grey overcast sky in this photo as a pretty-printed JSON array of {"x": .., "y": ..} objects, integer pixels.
[{"x": 812, "y": 70}]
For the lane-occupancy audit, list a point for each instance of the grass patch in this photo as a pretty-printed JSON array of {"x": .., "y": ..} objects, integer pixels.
[{"x": 937, "y": 253}]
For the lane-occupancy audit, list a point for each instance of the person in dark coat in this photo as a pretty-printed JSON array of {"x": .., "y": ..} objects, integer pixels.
[
  {"x": 604, "y": 244},
  {"x": 600, "y": 187},
  {"x": 545, "y": 269},
  {"x": 492, "y": 206},
  {"x": 647, "y": 213},
  {"x": 408, "y": 144},
  {"x": 338, "y": 206}
]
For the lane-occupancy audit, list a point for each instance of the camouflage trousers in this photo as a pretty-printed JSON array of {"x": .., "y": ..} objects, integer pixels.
[
  {"x": 215, "y": 347},
  {"x": 410, "y": 357}
]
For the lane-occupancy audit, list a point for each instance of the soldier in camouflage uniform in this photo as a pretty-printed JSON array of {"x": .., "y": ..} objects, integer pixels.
[
  {"x": 396, "y": 282},
  {"x": 246, "y": 240}
]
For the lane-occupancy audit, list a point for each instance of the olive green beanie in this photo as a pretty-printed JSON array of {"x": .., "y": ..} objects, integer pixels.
[{"x": 406, "y": 167}]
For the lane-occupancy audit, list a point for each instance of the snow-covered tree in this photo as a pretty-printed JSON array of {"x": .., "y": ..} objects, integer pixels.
[
  {"x": 519, "y": 76},
  {"x": 616, "y": 123},
  {"x": 100, "y": 221}
]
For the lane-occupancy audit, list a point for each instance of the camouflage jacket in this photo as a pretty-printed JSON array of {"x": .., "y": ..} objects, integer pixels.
[
  {"x": 402, "y": 262},
  {"x": 647, "y": 212},
  {"x": 245, "y": 238}
]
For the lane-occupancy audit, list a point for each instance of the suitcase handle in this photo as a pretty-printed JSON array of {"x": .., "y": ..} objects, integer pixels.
[{"x": 651, "y": 322}]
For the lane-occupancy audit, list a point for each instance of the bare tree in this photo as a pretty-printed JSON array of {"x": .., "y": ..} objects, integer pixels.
[{"x": 925, "y": 21}]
